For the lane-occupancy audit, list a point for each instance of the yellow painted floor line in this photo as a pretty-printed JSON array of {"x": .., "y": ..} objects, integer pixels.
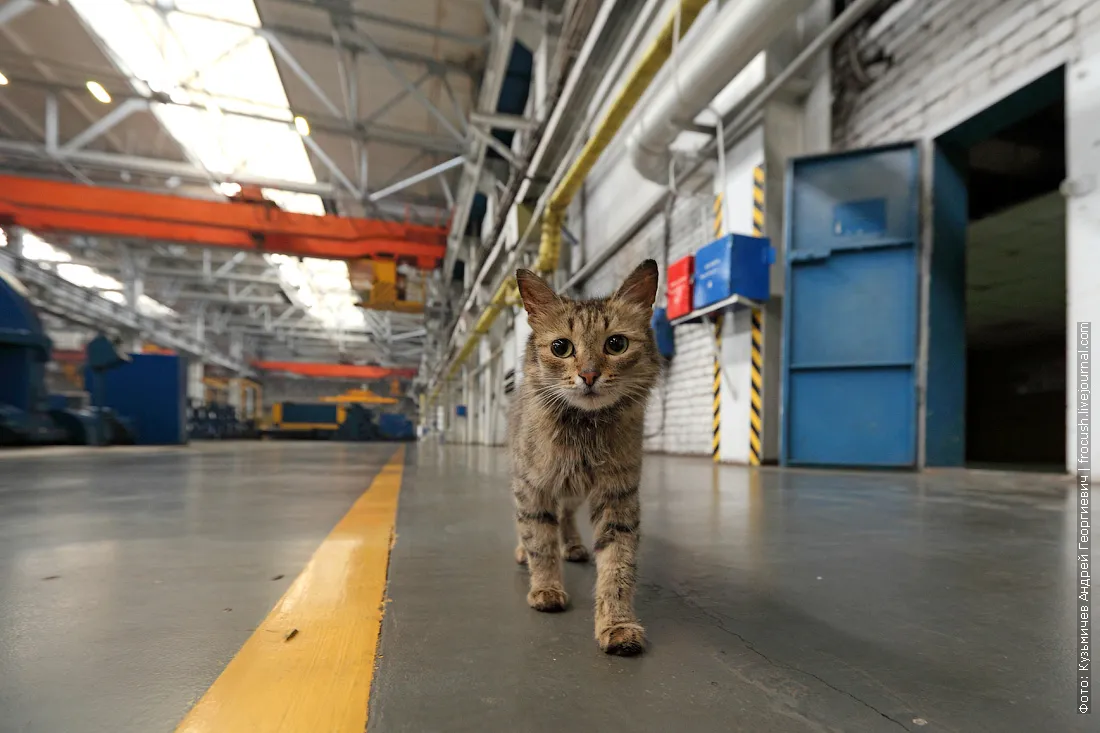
[{"x": 308, "y": 666}]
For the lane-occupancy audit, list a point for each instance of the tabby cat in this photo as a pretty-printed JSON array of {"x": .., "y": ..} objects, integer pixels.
[{"x": 576, "y": 433}]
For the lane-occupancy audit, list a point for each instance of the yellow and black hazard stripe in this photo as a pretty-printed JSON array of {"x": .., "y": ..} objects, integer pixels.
[
  {"x": 716, "y": 424},
  {"x": 716, "y": 442},
  {"x": 758, "y": 201},
  {"x": 756, "y": 451}
]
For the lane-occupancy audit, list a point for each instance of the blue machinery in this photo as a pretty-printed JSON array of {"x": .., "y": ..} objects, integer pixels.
[
  {"x": 135, "y": 398},
  {"x": 28, "y": 414},
  {"x": 139, "y": 398}
]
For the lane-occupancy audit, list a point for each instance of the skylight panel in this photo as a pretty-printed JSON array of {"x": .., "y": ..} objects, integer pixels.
[{"x": 224, "y": 68}]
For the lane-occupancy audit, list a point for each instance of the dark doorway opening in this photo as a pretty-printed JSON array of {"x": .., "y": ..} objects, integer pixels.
[{"x": 1016, "y": 289}]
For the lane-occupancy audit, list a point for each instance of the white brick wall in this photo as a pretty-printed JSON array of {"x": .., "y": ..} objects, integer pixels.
[
  {"x": 946, "y": 54},
  {"x": 683, "y": 398}
]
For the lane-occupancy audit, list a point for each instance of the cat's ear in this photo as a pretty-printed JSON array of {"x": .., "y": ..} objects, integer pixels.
[
  {"x": 538, "y": 297},
  {"x": 640, "y": 286}
]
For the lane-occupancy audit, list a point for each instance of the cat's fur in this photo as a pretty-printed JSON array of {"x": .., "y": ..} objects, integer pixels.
[{"x": 573, "y": 441}]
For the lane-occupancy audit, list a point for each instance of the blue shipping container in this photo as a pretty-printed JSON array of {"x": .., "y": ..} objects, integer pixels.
[
  {"x": 736, "y": 264},
  {"x": 316, "y": 413},
  {"x": 150, "y": 390}
]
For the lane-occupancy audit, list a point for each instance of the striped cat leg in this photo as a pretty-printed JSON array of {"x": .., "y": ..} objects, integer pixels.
[
  {"x": 572, "y": 546},
  {"x": 615, "y": 520},
  {"x": 538, "y": 533}
]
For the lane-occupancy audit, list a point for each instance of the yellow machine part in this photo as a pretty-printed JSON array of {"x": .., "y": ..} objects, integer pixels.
[
  {"x": 382, "y": 287},
  {"x": 360, "y": 396},
  {"x": 277, "y": 423}
]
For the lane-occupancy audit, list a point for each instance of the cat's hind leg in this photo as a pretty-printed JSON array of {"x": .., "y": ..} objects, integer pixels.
[
  {"x": 537, "y": 522},
  {"x": 572, "y": 546}
]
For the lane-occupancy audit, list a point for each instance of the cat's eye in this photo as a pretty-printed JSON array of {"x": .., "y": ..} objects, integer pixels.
[
  {"x": 561, "y": 348},
  {"x": 616, "y": 344}
]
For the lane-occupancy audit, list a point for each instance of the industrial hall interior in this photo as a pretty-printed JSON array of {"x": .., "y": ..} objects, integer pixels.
[{"x": 431, "y": 366}]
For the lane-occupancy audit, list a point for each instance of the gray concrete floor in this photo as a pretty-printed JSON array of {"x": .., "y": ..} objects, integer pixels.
[
  {"x": 130, "y": 577},
  {"x": 774, "y": 601}
]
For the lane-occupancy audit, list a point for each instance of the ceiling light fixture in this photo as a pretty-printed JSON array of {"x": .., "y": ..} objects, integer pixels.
[
  {"x": 301, "y": 124},
  {"x": 3, "y": 80},
  {"x": 99, "y": 92}
]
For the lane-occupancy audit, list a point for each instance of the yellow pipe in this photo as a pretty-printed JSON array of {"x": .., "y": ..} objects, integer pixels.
[
  {"x": 552, "y": 219},
  {"x": 636, "y": 84}
]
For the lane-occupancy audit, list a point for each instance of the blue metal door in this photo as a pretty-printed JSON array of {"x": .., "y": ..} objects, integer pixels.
[{"x": 851, "y": 309}]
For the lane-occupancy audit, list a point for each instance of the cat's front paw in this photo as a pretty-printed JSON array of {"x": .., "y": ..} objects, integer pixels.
[
  {"x": 575, "y": 553},
  {"x": 548, "y": 600},
  {"x": 624, "y": 640}
]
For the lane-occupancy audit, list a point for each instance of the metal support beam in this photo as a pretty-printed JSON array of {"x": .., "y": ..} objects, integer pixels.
[
  {"x": 103, "y": 124},
  {"x": 227, "y": 266},
  {"x": 327, "y": 338},
  {"x": 396, "y": 99},
  {"x": 196, "y": 275},
  {"x": 418, "y": 333},
  {"x": 154, "y": 166},
  {"x": 422, "y": 207},
  {"x": 228, "y": 298},
  {"x": 282, "y": 317},
  {"x": 504, "y": 29},
  {"x": 491, "y": 17},
  {"x": 283, "y": 53},
  {"x": 416, "y": 94},
  {"x": 334, "y": 169},
  {"x": 390, "y": 21},
  {"x": 417, "y": 178},
  {"x": 501, "y": 149},
  {"x": 501, "y": 121},
  {"x": 348, "y": 39},
  {"x": 52, "y": 122},
  {"x": 12, "y": 9},
  {"x": 364, "y": 168},
  {"x": 243, "y": 292},
  {"x": 460, "y": 113},
  {"x": 447, "y": 193},
  {"x": 319, "y": 123}
]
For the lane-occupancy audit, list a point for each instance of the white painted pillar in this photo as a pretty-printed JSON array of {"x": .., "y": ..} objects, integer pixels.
[
  {"x": 1082, "y": 190},
  {"x": 736, "y": 356}
]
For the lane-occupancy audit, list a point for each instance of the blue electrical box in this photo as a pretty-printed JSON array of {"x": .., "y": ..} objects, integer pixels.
[
  {"x": 662, "y": 333},
  {"x": 736, "y": 264}
]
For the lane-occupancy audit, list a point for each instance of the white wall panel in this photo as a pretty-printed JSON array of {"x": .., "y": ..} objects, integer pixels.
[{"x": 1083, "y": 232}]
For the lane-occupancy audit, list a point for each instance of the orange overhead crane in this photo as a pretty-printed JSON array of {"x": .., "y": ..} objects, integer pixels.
[
  {"x": 334, "y": 371},
  {"x": 244, "y": 223}
]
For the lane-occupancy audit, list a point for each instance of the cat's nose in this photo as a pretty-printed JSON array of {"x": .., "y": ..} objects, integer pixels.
[{"x": 590, "y": 377}]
